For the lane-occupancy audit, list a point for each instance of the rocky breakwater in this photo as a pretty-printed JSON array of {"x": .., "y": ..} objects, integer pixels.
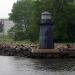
[
  {"x": 27, "y": 50},
  {"x": 15, "y": 50}
]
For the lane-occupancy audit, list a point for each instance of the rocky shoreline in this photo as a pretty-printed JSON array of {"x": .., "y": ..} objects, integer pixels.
[
  {"x": 23, "y": 50},
  {"x": 15, "y": 50},
  {"x": 19, "y": 50}
]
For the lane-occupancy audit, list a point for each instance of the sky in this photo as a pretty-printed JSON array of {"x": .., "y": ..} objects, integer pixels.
[{"x": 5, "y": 8}]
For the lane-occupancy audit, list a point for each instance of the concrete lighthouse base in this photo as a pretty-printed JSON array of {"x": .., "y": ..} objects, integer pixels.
[
  {"x": 37, "y": 50},
  {"x": 45, "y": 52}
]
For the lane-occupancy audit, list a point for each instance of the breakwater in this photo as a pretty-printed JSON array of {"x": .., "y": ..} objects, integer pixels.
[
  {"x": 24, "y": 50},
  {"x": 15, "y": 50}
]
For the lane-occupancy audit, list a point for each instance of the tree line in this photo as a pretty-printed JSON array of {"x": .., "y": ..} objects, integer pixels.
[{"x": 26, "y": 16}]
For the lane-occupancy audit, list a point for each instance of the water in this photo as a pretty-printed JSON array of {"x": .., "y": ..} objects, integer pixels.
[{"x": 27, "y": 66}]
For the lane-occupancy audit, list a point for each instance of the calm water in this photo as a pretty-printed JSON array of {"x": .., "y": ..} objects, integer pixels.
[{"x": 27, "y": 66}]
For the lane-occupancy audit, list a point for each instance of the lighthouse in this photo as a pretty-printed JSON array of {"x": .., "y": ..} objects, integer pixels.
[{"x": 46, "y": 29}]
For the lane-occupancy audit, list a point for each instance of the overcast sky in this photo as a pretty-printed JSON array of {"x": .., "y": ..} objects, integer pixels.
[{"x": 5, "y": 8}]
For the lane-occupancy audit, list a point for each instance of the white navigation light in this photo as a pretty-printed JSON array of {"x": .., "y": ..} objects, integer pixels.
[{"x": 46, "y": 15}]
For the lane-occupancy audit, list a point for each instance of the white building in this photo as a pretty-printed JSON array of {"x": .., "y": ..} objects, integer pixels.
[{"x": 5, "y": 25}]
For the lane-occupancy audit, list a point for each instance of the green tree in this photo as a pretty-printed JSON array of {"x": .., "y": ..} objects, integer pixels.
[
  {"x": 71, "y": 22},
  {"x": 59, "y": 19},
  {"x": 21, "y": 12},
  {"x": 64, "y": 17},
  {"x": 26, "y": 15}
]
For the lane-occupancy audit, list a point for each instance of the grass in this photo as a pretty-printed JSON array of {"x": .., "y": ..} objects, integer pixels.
[{"x": 8, "y": 40}]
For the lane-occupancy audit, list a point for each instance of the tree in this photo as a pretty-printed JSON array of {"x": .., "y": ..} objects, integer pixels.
[
  {"x": 26, "y": 15},
  {"x": 59, "y": 18},
  {"x": 21, "y": 12},
  {"x": 71, "y": 22},
  {"x": 29, "y": 12}
]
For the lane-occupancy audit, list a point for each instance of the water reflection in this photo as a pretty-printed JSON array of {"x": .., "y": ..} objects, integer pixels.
[
  {"x": 56, "y": 64},
  {"x": 27, "y": 66}
]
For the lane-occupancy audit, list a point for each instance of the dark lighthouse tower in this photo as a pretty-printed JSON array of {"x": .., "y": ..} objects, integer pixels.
[{"x": 46, "y": 36}]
